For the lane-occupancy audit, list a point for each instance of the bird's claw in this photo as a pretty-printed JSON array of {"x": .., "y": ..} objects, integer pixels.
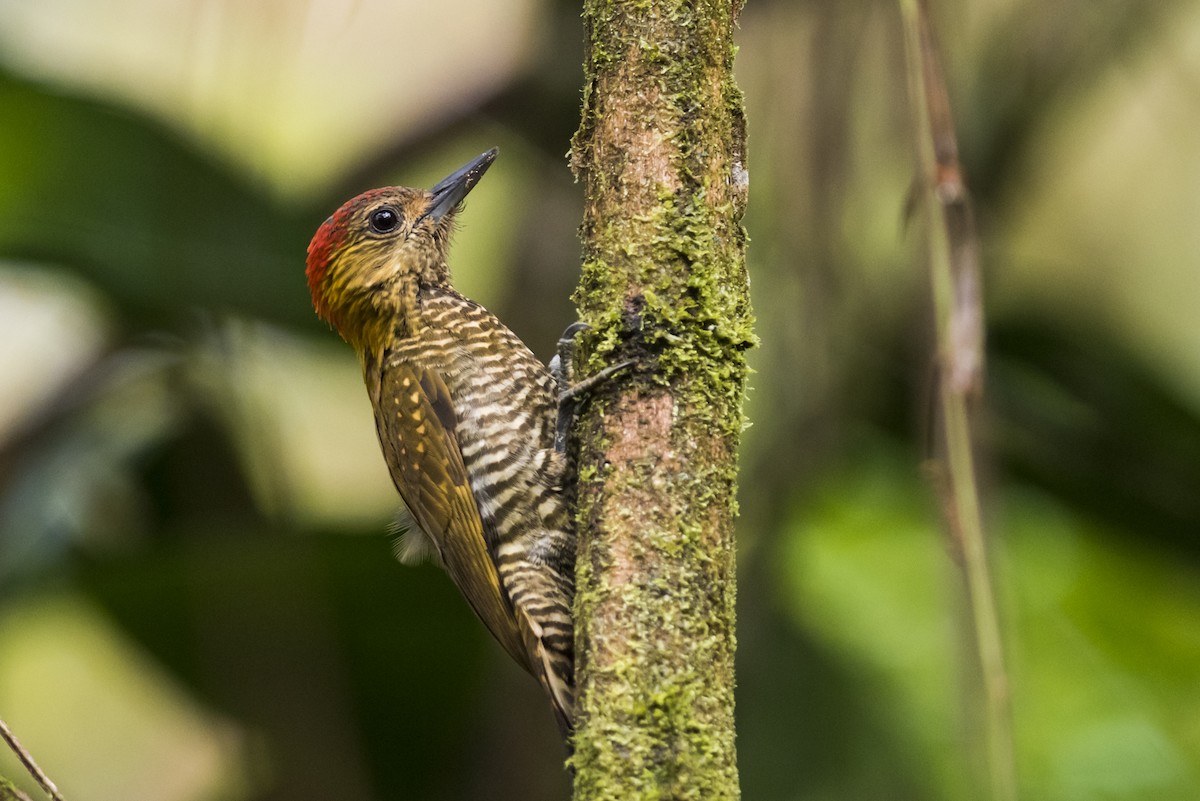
[{"x": 569, "y": 392}]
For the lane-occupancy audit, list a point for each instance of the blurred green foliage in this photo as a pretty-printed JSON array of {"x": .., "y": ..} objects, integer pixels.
[{"x": 187, "y": 460}]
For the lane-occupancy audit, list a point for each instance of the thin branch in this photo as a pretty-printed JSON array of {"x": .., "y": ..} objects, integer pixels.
[
  {"x": 9, "y": 792},
  {"x": 27, "y": 760},
  {"x": 958, "y": 309}
]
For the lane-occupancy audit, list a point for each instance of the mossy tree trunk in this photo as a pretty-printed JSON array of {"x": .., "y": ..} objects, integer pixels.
[{"x": 661, "y": 153}]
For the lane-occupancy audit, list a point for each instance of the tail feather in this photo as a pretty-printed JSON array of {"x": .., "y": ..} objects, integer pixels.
[
  {"x": 561, "y": 690},
  {"x": 555, "y": 671}
]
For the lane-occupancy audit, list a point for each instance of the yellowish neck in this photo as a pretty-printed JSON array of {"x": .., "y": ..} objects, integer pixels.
[{"x": 372, "y": 322}]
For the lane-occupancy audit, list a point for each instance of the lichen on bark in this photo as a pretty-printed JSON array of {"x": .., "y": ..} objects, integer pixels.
[{"x": 661, "y": 153}]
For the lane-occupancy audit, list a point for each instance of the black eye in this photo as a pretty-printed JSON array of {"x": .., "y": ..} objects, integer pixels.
[{"x": 384, "y": 220}]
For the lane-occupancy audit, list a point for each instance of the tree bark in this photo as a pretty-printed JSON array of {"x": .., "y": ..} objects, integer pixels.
[{"x": 661, "y": 153}]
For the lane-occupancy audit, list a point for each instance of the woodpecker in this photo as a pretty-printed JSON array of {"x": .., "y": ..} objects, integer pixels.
[{"x": 468, "y": 419}]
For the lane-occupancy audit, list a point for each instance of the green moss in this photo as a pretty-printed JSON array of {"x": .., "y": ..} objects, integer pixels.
[{"x": 663, "y": 284}]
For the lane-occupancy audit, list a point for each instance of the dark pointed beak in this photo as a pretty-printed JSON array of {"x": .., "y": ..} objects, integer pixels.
[{"x": 451, "y": 190}]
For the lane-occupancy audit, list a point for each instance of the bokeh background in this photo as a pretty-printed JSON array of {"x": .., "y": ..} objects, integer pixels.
[{"x": 197, "y": 593}]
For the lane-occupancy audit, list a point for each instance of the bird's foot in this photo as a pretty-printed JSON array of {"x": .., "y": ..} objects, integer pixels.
[{"x": 569, "y": 391}]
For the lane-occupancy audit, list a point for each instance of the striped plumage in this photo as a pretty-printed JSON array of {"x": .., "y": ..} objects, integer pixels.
[{"x": 465, "y": 415}]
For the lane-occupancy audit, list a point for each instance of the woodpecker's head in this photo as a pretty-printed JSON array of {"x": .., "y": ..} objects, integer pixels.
[{"x": 376, "y": 243}]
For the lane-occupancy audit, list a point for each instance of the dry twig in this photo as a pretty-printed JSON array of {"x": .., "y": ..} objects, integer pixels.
[
  {"x": 958, "y": 308},
  {"x": 27, "y": 760}
]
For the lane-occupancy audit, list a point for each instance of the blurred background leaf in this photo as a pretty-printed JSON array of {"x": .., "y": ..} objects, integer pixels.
[{"x": 197, "y": 594}]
